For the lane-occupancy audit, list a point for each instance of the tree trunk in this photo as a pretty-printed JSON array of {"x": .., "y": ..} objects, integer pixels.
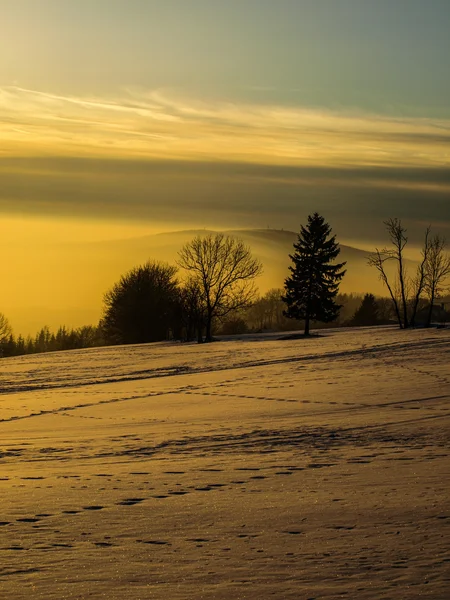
[
  {"x": 393, "y": 298},
  {"x": 397, "y": 312},
  {"x": 430, "y": 311},
  {"x": 307, "y": 325},
  {"x": 378, "y": 263},
  {"x": 308, "y": 306},
  {"x": 421, "y": 278},
  {"x": 403, "y": 293},
  {"x": 208, "y": 336}
]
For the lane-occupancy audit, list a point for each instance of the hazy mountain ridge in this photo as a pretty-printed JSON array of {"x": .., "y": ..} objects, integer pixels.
[
  {"x": 278, "y": 238},
  {"x": 271, "y": 246}
]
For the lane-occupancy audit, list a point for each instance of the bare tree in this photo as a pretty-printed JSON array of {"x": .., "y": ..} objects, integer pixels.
[
  {"x": 257, "y": 314},
  {"x": 437, "y": 270},
  {"x": 404, "y": 291},
  {"x": 419, "y": 282},
  {"x": 267, "y": 312},
  {"x": 5, "y": 329},
  {"x": 378, "y": 260},
  {"x": 192, "y": 309},
  {"x": 397, "y": 234},
  {"x": 276, "y": 308},
  {"x": 225, "y": 269},
  {"x": 384, "y": 310},
  {"x": 5, "y": 333}
]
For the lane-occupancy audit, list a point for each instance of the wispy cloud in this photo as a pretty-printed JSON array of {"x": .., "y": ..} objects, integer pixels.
[{"x": 160, "y": 125}]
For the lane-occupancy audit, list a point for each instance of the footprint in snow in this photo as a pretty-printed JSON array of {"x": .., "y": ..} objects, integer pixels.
[
  {"x": 154, "y": 542},
  {"x": 131, "y": 501}
]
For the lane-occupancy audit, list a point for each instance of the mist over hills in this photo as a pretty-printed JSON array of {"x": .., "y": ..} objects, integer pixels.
[
  {"x": 64, "y": 283},
  {"x": 271, "y": 246}
]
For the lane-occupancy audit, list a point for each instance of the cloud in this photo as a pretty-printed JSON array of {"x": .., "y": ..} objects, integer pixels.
[
  {"x": 212, "y": 194},
  {"x": 158, "y": 158},
  {"x": 156, "y": 124}
]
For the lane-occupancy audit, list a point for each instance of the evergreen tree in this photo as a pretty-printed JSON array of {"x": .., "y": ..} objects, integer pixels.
[
  {"x": 11, "y": 346},
  {"x": 20, "y": 345},
  {"x": 367, "y": 313},
  {"x": 29, "y": 344},
  {"x": 311, "y": 289}
]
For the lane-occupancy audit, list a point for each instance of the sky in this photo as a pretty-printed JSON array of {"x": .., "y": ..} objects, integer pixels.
[{"x": 125, "y": 117}]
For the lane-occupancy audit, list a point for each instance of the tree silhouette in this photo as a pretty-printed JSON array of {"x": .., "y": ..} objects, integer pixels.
[
  {"x": 192, "y": 309},
  {"x": 437, "y": 271},
  {"x": 267, "y": 312},
  {"x": 406, "y": 293},
  {"x": 311, "y": 290},
  {"x": 367, "y": 313},
  {"x": 224, "y": 270},
  {"x": 5, "y": 334},
  {"x": 140, "y": 307}
]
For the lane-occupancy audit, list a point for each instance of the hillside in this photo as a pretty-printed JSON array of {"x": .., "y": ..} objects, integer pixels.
[{"x": 249, "y": 469}]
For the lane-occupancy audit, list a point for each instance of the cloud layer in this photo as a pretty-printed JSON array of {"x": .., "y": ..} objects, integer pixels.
[
  {"x": 151, "y": 157},
  {"x": 158, "y": 125}
]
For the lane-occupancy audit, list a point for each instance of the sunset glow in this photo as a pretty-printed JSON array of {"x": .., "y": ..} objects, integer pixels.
[{"x": 125, "y": 119}]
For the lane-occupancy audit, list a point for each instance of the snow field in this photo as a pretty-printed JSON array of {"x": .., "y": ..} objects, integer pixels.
[{"x": 249, "y": 468}]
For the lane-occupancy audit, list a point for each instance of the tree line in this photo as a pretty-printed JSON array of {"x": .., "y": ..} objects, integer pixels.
[
  {"x": 88, "y": 336},
  {"x": 212, "y": 290}
]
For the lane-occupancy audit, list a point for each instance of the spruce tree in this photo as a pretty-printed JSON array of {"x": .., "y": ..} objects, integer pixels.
[
  {"x": 367, "y": 313},
  {"x": 311, "y": 289}
]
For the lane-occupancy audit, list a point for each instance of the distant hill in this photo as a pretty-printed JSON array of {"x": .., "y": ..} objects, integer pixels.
[
  {"x": 271, "y": 246},
  {"x": 274, "y": 246},
  {"x": 69, "y": 280}
]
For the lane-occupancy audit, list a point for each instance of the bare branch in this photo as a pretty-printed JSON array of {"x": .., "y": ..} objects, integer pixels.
[
  {"x": 377, "y": 260},
  {"x": 437, "y": 271},
  {"x": 419, "y": 282},
  {"x": 225, "y": 269}
]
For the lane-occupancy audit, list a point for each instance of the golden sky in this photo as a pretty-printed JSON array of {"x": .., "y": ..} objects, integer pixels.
[
  {"x": 155, "y": 125},
  {"x": 119, "y": 119}
]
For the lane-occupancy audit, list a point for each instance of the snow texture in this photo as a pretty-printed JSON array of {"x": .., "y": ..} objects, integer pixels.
[{"x": 250, "y": 468}]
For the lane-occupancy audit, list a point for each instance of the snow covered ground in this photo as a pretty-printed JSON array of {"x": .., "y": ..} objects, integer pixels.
[{"x": 254, "y": 468}]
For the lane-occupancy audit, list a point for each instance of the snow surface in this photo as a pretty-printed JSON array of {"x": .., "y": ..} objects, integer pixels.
[{"x": 253, "y": 468}]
